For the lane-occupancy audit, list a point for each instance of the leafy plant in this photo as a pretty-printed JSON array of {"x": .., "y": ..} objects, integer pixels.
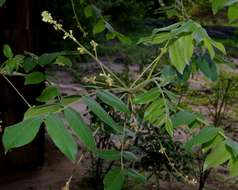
[{"x": 121, "y": 110}]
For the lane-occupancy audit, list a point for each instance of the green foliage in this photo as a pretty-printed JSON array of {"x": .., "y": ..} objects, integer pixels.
[
  {"x": 114, "y": 179},
  {"x": 181, "y": 58},
  {"x": 7, "y": 51},
  {"x": 125, "y": 115},
  {"x": 181, "y": 39},
  {"x": 233, "y": 13},
  {"x": 109, "y": 154},
  {"x": 82, "y": 130},
  {"x": 218, "y": 156},
  {"x": 205, "y": 135},
  {"x": 154, "y": 159},
  {"x": 48, "y": 93},
  {"x": 42, "y": 110},
  {"x": 34, "y": 78},
  {"x": 148, "y": 96},
  {"x": 21, "y": 133},
  {"x": 233, "y": 164},
  {"x": 63, "y": 61},
  {"x": 207, "y": 66},
  {"x": 101, "y": 113},
  {"x": 47, "y": 58},
  {"x": 99, "y": 27},
  {"x": 2, "y": 2},
  {"x": 183, "y": 118},
  {"x": 133, "y": 174},
  {"x": 232, "y": 5},
  {"x": 113, "y": 101},
  {"x": 60, "y": 136},
  {"x": 220, "y": 148},
  {"x": 218, "y": 5}
]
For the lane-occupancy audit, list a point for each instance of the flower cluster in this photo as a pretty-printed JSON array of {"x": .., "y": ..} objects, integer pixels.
[
  {"x": 46, "y": 17},
  {"x": 190, "y": 181},
  {"x": 94, "y": 45},
  {"x": 81, "y": 50},
  {"x": 108, "y": 78},
  {"x": 68, "y": 34},
  {"x": 91, "y": 79}
]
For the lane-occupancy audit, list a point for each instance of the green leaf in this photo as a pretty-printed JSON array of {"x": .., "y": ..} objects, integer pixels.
[
  {"x": 136, "y": 176},
  {"x": 41, "y": 110},
  {"x": 113, "y": 101},
  {"x": 180, "y": 52},
  {"x": 183, "y": 118},
  {"x": 13, "y": 64},
  {"x": 147, "y": 96},
  {"x": 233, "y": 13},
  {"x": 48, "y": 58},
  {"x": 114, "y": 179},
  {"x": 67, "y": 100},
  {"x": 218, "y": 5},
  {"x": 207, "y": 66},
  {"x": 200, "y": 34},
  {"x": 209, "y": 47},
  {"x": 233, "y": 145},
  {"x": 2, "y": 2},
  {"x": 21, "y": 133},
  {"x": 155, "y": 39},
  {"x": 218, "y": 156},
  {"x": 88, "y": 12},
  {"x": 186, "y": 27},
  {"x": 167, "y": 28},
  {"x": 129, "y": 156},
  {"x": 205, "y": 135},
  {"x": 29, "y": 64},
  {"x": 169, "y": 126},
  {"x": 48, "y": 93},
  {"x": 212, "y": 143},
  {"x": 109, "y": 154},
  {"x": 111, "y": 35},
  {"x": 233, "y": 167},
  {"x": 99, "y": 27},
  {"x": 61, "y": 137},
  {"x": 82, "y": 130},
  {"x": 154, "y": 110},
  {"x": 219, "y": 46},
  {"x": 101, "y": 113},
  {"x": 62, "y": 61},
  {"x": 34, "y": 78},
  {"x": 7, "y": 51},
  {"x": 123, "y": 39}
]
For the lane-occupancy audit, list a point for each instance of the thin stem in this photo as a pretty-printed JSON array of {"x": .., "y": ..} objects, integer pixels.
[
  {"x": 162, "y": 52},
  {"x": 153, "y": 65},
  {"x": 17, "y": 91},
  {"x": 79, "y": 161},
  {"x": 74, "y": 170},
  {"x": 97, "y": 60},
  {"x": 142, "y": 74},
  {"x": 122, "y": 145},
  {"x": 77, "y": 19},
  {"x": 164, "y": 99}
]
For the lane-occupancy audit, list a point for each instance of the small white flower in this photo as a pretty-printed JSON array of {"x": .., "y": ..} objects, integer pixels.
[
  {"x": 46, "y": 17},
  {"x": 81, "y": 50}
]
